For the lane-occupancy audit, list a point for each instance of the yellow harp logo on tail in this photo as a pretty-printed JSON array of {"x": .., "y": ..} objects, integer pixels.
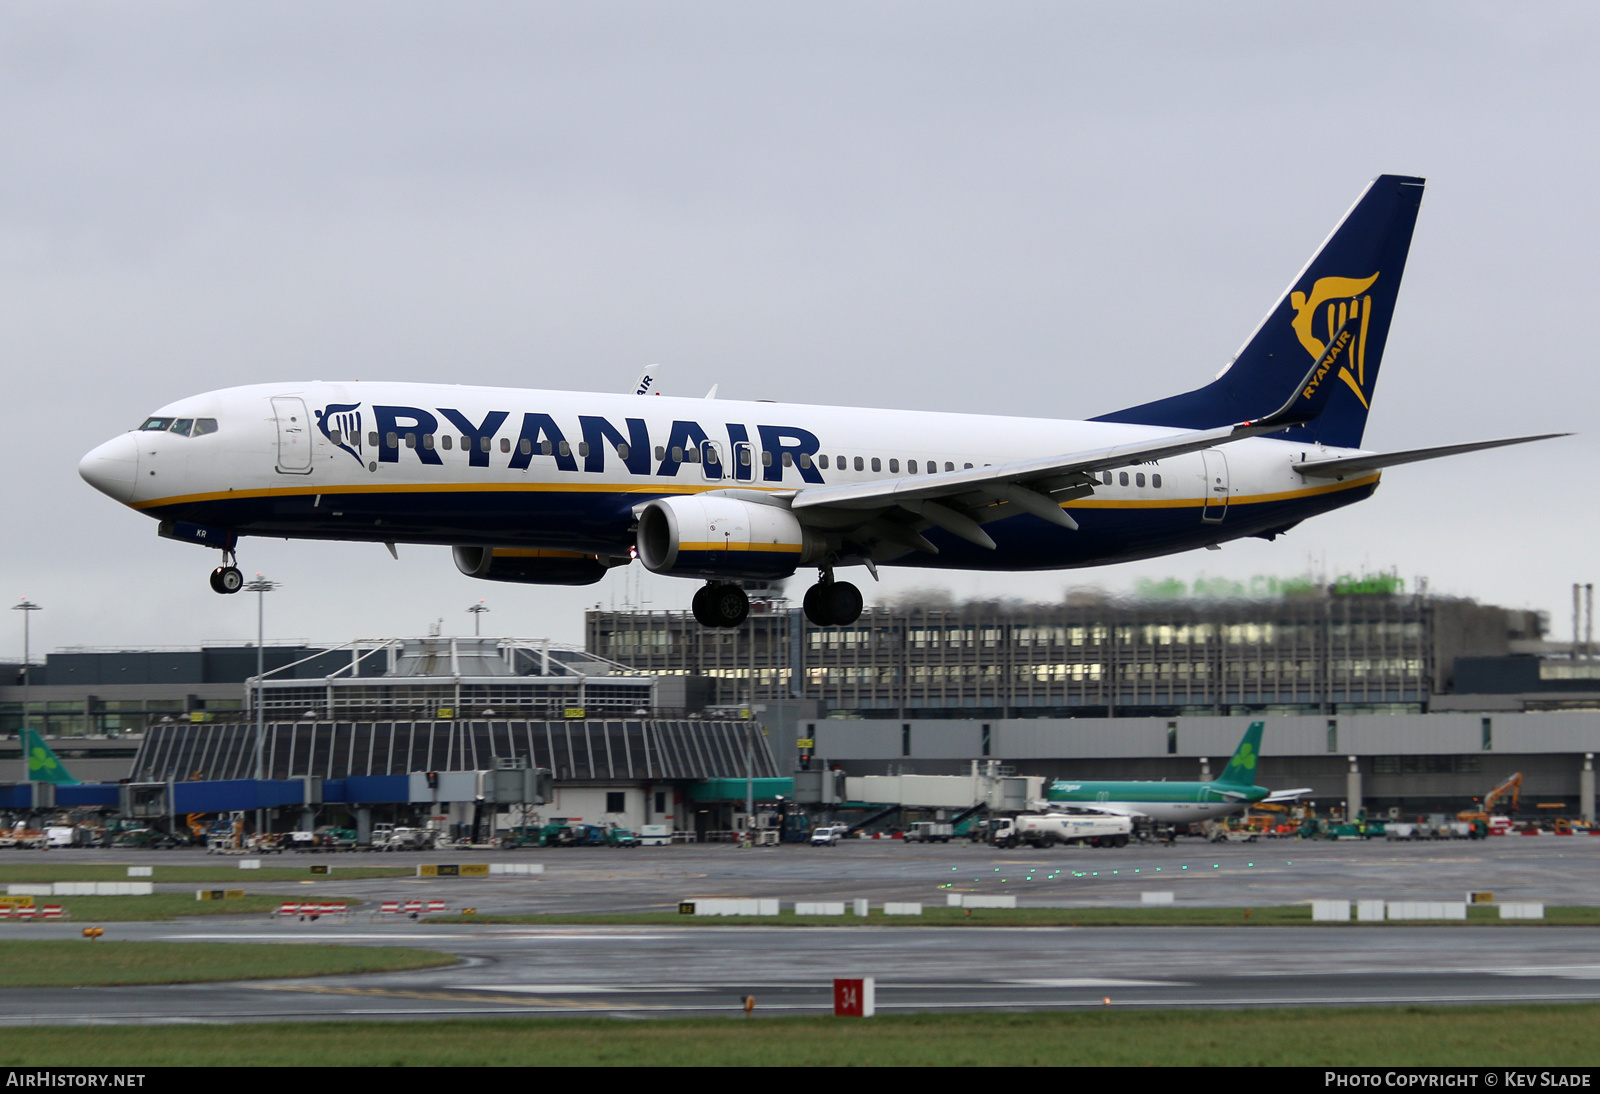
[{"x": 1336, "y": 300}]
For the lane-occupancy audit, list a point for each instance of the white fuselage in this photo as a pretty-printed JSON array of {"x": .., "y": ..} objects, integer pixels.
[{"x": 505, "y": 467}]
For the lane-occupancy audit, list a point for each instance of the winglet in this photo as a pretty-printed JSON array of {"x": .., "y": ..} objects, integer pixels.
[{"x": 1311, "y": 397}]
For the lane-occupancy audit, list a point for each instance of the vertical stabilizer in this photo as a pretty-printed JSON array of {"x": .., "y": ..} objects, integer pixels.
[
  {"x": 1353, "y": 278},
  {"x": 1241, "y": 770},
  {"x": 44, "y": 766}
]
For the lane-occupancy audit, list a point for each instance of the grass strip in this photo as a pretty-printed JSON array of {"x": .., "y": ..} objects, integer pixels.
[
  {"x": 1549, "y": 1036},
  {"x": 73, "y": 963},
  {"x": 1292, "y": 915},
  {"x": 89, "y": 910},
  {"x": 225, "y": 870}
]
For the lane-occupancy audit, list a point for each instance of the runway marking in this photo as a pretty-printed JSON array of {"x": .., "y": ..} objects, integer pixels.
[
  {"x": 1564, "y": 972},
  {"x": 444, "y": 996},
  {"x": 431, "y": 936},
  {"x": 1095, "y": 982},
  {"x": 593, "y": 989}
]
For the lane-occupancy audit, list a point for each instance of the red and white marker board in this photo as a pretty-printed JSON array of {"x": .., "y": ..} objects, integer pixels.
[{"x": 855, "y": 998}]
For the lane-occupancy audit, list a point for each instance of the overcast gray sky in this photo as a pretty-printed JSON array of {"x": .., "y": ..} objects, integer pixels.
[{"x": 1054, "y": 209}]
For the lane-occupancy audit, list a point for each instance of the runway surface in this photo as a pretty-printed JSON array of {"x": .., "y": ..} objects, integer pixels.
[{"x": 668, "y": 971}]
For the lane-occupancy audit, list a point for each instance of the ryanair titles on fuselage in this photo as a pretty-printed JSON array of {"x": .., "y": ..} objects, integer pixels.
[{"x": 427, "y": 433}]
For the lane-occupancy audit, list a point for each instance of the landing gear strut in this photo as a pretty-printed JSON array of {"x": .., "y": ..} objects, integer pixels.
[
  {"x": 227, "y": 578},
  {"x": 721, "y": 605},
  {"x": 831, "y": 603}
]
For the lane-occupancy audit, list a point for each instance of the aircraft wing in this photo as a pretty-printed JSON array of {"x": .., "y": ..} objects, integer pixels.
[
  {"x": 961, "y": 501},
  {"x": 1287, "y": 795},
  {"x": 1111, "y": 808},
  {"x": 1352, "y": 465}
]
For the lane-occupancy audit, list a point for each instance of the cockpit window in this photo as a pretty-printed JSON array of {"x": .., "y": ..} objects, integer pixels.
[
  {"x": 182, "y": 426},
  {"x": 202, "y": 426},
  {"x": 156, "y": 425}
]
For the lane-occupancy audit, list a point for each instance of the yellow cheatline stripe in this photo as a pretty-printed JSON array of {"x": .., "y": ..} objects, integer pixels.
[
  {"x": 655, "y": 488},
  {"x": 788, "y": 548}
]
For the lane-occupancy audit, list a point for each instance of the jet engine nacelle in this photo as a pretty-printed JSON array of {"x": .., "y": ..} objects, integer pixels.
[
  {"x": 532, "y": 567},
  {"x": 707, "y": 535}
]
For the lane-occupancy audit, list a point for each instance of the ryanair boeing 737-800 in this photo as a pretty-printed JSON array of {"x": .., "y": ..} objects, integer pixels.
[{"x": 556, "y": 487}]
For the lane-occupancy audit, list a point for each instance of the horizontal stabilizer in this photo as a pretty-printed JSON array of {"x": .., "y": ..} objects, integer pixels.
[
  {"x": 1351, "y": 465},
  {"x": 1288, "y": 795}
]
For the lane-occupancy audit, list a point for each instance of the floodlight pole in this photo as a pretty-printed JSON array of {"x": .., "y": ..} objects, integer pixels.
[
  {"x": 25, "y": 608},
  {"x": 261, "y": 587},
  {"x": 477, "y": 611}
]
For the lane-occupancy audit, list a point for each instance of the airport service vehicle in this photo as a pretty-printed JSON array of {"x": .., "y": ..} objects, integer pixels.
[
  {"x": 829, "y": 835},
  {"x": 930, "y": 832},
  {"x": 1179, "y": 802},
  {"x": 558, "y": 487},
  {"x": 1049, "y": 829}
]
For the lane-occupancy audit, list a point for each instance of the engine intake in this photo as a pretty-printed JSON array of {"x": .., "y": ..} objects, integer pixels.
[{"x": 707, "y": 535}]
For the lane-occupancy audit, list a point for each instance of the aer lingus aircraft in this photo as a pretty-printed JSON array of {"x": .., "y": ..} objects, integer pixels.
[
  {"x": 1178, "y": 802},
  {"x": 556, "y": 487}
]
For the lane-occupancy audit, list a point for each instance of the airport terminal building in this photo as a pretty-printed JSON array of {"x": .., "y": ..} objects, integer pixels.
[{"x": 1376, "y": 699}]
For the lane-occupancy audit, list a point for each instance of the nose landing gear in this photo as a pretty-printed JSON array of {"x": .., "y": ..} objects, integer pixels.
[{"x": 227, "y": 578}]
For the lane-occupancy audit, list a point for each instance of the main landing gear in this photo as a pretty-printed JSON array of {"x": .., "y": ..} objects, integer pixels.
[
  {"x": 828, "y": 603},
  {"x": 831, "y": 603},
  {"x": 227, "y": 578},
  {"x": 721, "y": 605}
]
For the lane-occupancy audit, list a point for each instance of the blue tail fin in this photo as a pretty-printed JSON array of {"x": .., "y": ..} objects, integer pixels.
[{"x": 1354, "y": 277}]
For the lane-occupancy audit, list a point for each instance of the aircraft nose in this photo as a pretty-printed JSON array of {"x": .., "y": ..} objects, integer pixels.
[{"x": 113, "y": 468}]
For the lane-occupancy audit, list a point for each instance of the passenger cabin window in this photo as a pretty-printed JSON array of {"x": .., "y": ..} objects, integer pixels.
[
  {"x": 860, "y": 464},
  {"x": 1122, "y": 478},
  {"x": 445, "y": 441},
  {"x": 948, "y": 466},
  {"x": 877, "y": 464},
  {"x": 911, "y": 467},
  {"x": 505, "y": 444},
  {"x": 1138, "y": 480},
  {"x": 805, "y": 461},
  {"x": 894, "y": 467},
  {"x": 525, "y": 446},
  {"x": 822, "y": 462},
  {"x": 1155, "y": 481},
  {"x": 427, "y": 441}
]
